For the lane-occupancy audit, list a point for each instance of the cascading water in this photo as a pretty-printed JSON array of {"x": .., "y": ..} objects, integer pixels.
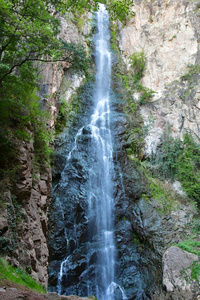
[
  {"x": 86, "y": 191},
  {"x": 101, "y": 204}
]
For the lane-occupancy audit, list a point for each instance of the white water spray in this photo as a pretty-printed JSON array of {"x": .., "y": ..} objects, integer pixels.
[
  {"x": 101, "y": 203},
  {"x": 100, "y": 212}
]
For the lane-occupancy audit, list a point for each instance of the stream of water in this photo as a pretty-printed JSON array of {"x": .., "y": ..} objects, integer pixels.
[{"x": 100, "y": 203}]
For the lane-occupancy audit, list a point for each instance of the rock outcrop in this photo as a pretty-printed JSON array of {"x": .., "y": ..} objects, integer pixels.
[
  {"x": 145, "y": 227},
  {"x": 25, "y": 204},
  {"x": 175, "y": 263},
  {"x": 168, "y": 33}
]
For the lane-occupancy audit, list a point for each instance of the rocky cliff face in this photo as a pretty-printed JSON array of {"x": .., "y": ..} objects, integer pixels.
[
  {"x": 25, "y": 205},
  {"x": 168, "y": 33},
  {"x": 146, "y": 226}
]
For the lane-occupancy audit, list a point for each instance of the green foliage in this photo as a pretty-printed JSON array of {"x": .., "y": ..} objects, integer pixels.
[
  {"x": 62, "y": 117},
  {"x": 131, "y": 82},
  {"x": 18, "y": 276},
  {"x": 195, "y": 226},
  {"x": 7, "y": 151},
  {"x": 134, "y": 142},
  {"x": 195, "y": 268},
  {"x": 167, "y": 154},
  {"x": 28, "y": 32},
  {"x": 4, "y": 245},
  {"x": 15, "y": 216},
  {"x": 136, "y": 239},
  {"x": 138, "y": 62},
  {"x": 191, "y": 246},
  {"x": 192, "y": 70},
  {"x": 163, "y": 195},
  {"x": 79, "y": 19},
  {"x": 188, "y": 170},
  {"x": 189, "y": 81},
  {"x": 181, "y": 160},
  {"x": 174, "y": 36},
  {"x": 70, "y": 110},
  {"x": 21, "y": 115},
  {"x": 113, "y": 40},
  {"x": 134, "y": 138},
  {"x": 146, "y": 94},
  {"x": 77, "y": 5},
  {"x": 194, "y": 271},
  {"x": 120, "y": 9},
  {"x": 77, "y": 58}
]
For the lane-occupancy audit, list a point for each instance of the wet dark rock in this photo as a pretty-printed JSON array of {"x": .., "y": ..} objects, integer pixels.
[
  {"x": 142, "y": 234},
  {"x": 86, "y": 130}
]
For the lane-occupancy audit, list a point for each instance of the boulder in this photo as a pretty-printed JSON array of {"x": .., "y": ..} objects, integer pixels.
[{"x": 175, "y": 262}]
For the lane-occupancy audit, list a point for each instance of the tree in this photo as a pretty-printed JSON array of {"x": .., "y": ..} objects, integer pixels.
[
  {"x": 29, "y": 30},
  {"x": 120, "y": 9},
  {"x": 29, "y": 33}
]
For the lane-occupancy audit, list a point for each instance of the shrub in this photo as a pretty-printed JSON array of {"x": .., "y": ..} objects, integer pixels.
[
  {"x": 167, "y": 155},
  {"x": 138, "y": 63},
  {"x": 188, "y": 168},
  {"x": 195, "y": 271},
  {"x": 192, "y": 70},
  {"x": 181, "y": 160}
]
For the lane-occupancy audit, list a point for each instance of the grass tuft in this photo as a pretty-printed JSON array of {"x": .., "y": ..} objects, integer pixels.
[{"x": 18, "y": 276}]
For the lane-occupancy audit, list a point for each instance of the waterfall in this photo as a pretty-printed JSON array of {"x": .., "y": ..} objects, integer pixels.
[
  {"x": 101, "y": 203},
  {"x": 83, "y": 212}
]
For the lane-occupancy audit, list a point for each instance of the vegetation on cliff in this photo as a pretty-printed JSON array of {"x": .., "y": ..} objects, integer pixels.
[
  {"x": 18, "y": 276},
  {"x": 29, "y": 33},
  {"x": 176, "y": 159}
]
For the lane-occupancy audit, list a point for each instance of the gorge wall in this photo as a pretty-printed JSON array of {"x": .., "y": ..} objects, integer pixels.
[
  {"x": 147, "y": 225},
  {"x": 25, "y": 203},
  {"x": 168, "y": 33}
]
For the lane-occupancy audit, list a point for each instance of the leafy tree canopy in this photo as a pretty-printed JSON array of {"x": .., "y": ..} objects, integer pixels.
[
  {"x": 29, "y": 33},
  {"x": 120, "y": 9},
  {"x": 29, "y": 29}
]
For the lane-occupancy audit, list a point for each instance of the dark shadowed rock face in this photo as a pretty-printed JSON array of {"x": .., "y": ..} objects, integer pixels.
[
  {"x": 142, "y": 233},
  {"x": 68, "y": 234},
  {"x": 138, "y": 267},
  {"x": 23, "y": 216}
]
